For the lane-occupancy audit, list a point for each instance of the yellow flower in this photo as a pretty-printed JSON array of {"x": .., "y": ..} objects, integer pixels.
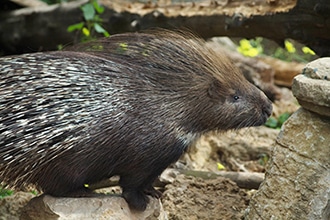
[
  {"x": 245, "y": 44},
  {"x": 252, "y": 52},
  {"x": 307, "y": 50},
  {"x": 220, "y": 166},
  {"x": 289, "y": 47},
  {"x": 247, "y": 49}
]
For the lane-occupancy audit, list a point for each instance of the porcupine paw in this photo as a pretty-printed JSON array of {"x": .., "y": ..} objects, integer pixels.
[
  {"x": 153, "y": 192},
  {"x": 136, "y": 199}
]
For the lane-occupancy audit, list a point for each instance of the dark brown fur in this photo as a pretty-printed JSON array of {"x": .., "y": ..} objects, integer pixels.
[{"x": 128, "y": 105}]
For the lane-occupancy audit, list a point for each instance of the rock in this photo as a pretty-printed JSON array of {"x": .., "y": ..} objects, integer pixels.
[
  {"x": 312, "y": 88},
  {"x": 297, "y": 183},
  {"x": 99, "y": 207}
]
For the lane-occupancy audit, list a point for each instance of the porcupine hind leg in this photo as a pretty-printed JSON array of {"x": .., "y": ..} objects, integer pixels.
[
  {"x": 63, "y": 187},
  {"x": 61, "y": 180}
]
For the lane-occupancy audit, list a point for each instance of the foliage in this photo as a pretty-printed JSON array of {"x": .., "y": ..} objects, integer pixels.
[
  {"x": 5, "y": 192},
  {"x": 92, "y": 21},
  {"x": 277, "y": 123},
  {"x": 291, "y": 51},
  {"x": 34, "y": 192}
]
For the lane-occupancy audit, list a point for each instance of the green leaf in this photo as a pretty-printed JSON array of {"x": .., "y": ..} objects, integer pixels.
[
  {"x": 283, "y": 117},
  {"x": 106, "y": 34},
  {"x": 88, "y": 11},
  {"x": 60, "y": 47},
  {"x": 5, "y": 192},
  {"x": 74, "y": 27},
  {"x": 99, "y": 29},
  {"x": 271, "y": 122},
  {"x": 34, "y": 192},
  {"x": 98, "y": 8},
  {"x": 97, "y": 19}
]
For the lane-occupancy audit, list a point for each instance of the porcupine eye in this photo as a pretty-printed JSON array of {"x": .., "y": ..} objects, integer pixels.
[{"x": 236, "y": 97}]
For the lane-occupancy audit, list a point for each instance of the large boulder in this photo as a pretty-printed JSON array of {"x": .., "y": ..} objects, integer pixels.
[{"x": 297, "y": 182}]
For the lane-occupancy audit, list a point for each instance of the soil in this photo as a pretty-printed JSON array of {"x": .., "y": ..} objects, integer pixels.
[{"x": 194, "y": 198}]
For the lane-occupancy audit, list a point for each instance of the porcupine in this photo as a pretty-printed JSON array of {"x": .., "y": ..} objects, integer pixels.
[{"x": 128, "y": 105}]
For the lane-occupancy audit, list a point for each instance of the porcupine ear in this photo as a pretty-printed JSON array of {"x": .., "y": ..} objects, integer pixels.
[{"x": 214, "y": 91}]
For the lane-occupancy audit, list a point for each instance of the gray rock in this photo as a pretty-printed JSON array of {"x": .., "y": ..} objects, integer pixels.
[
  {"x": 312, "y": 88},
  {"x": 297, "y": 183},
  {"x": 318, "y": 69},
  {"x": 99, "y": 207}
]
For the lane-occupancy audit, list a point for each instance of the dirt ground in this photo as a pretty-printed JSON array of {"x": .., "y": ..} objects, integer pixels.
[{"x": 194, "y": 198}]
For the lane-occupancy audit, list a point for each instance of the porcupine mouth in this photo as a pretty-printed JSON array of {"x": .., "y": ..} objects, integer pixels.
[
  {"x": 266, "y": 112},
  {"x": 259, "y": 119}
]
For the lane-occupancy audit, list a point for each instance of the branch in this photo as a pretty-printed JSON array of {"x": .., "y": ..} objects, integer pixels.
[{"x": 245, "y": 180}]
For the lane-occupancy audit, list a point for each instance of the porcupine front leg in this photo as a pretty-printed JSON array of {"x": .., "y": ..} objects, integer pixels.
[
  {"x": 138, "y": 185},
  {"x": 150, "y": 190},
  {"x": 136, "y": 194}
]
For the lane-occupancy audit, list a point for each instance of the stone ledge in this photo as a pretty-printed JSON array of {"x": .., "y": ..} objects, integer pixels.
[
  {"x": 99, "y": 207},
  {"x": 312, "y": 87}
]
